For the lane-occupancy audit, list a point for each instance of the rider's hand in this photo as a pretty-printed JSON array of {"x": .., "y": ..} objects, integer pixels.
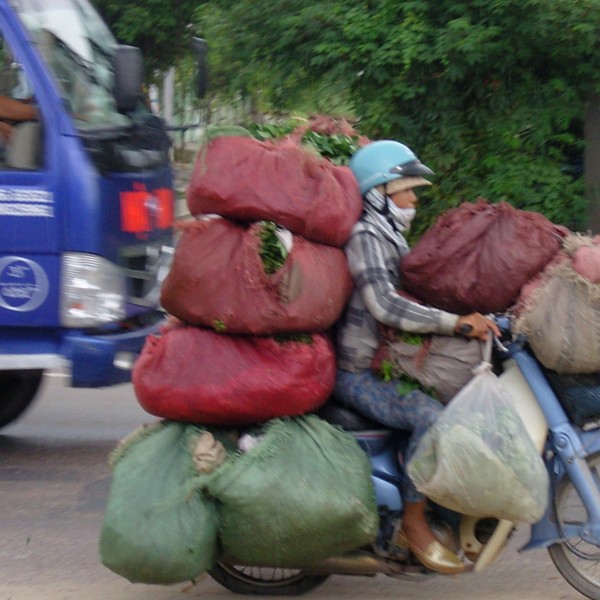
[{"x": 476, "y": 325}]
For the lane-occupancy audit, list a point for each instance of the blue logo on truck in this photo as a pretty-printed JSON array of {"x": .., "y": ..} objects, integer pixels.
[{"x": 23, "y": 284}]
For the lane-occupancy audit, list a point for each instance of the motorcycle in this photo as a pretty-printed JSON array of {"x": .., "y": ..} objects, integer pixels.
[{"x": 562, "y": 416}]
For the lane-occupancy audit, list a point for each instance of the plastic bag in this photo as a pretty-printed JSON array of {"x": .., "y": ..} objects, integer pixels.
[
  {"x": 301, "y": 493},
  {"x": 478, "y": 458}
]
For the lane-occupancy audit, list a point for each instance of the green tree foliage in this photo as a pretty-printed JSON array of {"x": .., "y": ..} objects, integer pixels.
[
  {"x": 232, "y": 72},
  {"x": 255, "y": 52},
  {"x": 489, "y": 93},
  {"x": 160, "y": 28}
]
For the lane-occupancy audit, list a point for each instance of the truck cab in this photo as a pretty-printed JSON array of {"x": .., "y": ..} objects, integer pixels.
[{"x": 86, "y": 202}]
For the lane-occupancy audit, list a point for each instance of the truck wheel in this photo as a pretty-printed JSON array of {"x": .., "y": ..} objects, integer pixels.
[{"x": 17, "y": 390}]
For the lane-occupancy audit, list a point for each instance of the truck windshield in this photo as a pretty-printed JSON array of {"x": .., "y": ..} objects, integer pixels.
[{"x": 78, "y": 48}]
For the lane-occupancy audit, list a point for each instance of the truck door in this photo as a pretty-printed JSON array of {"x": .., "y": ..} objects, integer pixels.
[
  {"x": 28, "y": 209},
  {"x": 28, "y": 230}
]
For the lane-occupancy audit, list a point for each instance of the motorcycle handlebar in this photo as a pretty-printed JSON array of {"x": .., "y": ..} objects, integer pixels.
[{"x": 504, "y": 323}]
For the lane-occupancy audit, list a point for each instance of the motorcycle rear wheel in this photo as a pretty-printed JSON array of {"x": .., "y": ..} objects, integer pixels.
[
  {"x": 577, "y": 560},
  {"x": 265, "y": 581}
]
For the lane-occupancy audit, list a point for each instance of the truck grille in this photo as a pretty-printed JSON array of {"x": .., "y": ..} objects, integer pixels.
[{"x": 146, "y": 268}]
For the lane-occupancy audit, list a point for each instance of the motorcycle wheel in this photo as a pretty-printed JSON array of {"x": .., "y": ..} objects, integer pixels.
[
  {"x": 265, "y": 581},
  {"x": 577, "y": 560},
  {"x": 17, "y": 391}
]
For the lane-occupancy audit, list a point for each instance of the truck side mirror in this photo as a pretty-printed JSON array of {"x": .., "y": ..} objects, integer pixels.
[
  {"x": 129, "y": 77},
  {"x": 200, "y": 47}
]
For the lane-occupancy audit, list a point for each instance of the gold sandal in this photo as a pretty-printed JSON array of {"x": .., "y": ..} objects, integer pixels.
[{"x": 435, "y": 557}]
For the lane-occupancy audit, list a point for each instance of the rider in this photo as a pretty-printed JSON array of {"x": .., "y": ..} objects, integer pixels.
[{"x": 387, "y": 173}]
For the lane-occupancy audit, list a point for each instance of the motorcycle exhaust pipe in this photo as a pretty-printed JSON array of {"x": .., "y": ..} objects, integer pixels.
[{"x": 355, "y": 563}]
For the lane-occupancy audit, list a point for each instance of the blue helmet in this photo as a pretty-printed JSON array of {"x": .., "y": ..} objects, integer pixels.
[{"x": 383, "y": 161}]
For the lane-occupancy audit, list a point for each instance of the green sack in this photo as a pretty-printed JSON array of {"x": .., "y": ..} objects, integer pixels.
[
  {"x": 301, "y": 494},
  {"x": 158, "y": 526}
]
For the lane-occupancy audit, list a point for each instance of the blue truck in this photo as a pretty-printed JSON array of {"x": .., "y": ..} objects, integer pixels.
[{"x": 86, "y": 202}]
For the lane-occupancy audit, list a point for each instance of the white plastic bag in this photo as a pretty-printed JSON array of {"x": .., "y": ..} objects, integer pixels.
[{"x": 478, "y": 458}]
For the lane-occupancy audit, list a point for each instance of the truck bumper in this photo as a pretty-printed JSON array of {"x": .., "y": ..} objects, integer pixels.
[
  {"x": 92, "y": 360},
  {"x": 103, "y": 360}
]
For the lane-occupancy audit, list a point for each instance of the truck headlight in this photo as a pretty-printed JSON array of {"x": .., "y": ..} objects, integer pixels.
[{"x": 93, "y": 291}]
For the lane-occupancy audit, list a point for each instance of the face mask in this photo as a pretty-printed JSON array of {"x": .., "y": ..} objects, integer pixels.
[{"x": 402, "y": 216}]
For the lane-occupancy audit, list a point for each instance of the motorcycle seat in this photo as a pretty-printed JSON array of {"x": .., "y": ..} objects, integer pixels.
[{"x": 345, "y": 417}]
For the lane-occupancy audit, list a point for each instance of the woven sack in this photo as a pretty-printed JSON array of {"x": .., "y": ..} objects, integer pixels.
[
  {"x": 197, "y": 375},
  {"x": 441, "y": 364},
  {"x": 159, "y": 527},
  {"x": 478, "y": 256},
  {"x": 300, "y": 495},
  {"x": 248, "y": 180},
  {"x": 218, "y": 279},
  {"x": 561, "y": 319}
]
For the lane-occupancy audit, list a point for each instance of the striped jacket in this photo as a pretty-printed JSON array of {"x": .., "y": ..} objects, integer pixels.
[{"x": 374, "y": 262}]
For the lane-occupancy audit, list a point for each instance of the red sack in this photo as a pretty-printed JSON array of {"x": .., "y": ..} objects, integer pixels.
[
  {"x": 478, "y": 256},
  {"x": 218, "y": 280},
  {"x": 248, "y": 180},
  {"x": 196, "y": 375}
]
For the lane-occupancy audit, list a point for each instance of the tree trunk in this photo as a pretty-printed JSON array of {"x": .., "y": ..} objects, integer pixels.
[{"x": 592, "y": 162}]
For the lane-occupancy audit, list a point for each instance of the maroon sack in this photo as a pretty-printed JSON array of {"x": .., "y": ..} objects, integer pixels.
[
  {"x": 197, "y": 375},
  {"x": 478, "y": 256},
  {"x": 249, "y": 180},
  {"x": 218, "y": 280}
]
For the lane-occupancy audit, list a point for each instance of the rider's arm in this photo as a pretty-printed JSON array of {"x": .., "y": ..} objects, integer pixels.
[{"x": 367, "y": 260}]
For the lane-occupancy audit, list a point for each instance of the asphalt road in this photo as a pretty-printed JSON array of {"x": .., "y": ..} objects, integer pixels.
[{"x": 54, "y": 480}]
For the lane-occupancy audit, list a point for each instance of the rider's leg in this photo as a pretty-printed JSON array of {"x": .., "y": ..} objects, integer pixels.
[{"x": 414, "y": 412}]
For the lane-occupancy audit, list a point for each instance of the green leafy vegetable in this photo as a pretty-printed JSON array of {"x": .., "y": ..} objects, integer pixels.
[
  {"x": 219, "y": 326},
  {"x": 387, "y": 372},
  {"x": 272, "y": 252},
  {"x": 414, "y": 339},
  {"x": 301, "y": 338},
  {"x": 337, "y": 148}
]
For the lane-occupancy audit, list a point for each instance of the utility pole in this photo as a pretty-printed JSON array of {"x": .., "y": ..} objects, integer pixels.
[{"x": 169, "y": 96}]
